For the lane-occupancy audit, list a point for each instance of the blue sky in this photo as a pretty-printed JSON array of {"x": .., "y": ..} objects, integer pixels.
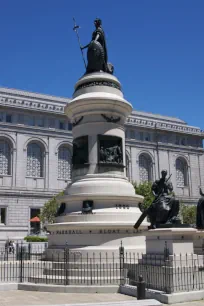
[{"x": 156, "y": 46}]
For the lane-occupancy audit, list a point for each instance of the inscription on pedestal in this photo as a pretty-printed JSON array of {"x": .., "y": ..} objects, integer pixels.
[{"x": 94, "y": 232}]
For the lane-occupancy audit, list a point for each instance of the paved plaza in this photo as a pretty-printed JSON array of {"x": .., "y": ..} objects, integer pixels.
[{"x": 20, "y": 297}]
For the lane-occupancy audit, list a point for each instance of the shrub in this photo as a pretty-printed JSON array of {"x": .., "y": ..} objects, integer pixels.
[
  {"x": 188, "y": 213},
  {"x": 145, "y": 190},
  {"x": 49, "y": 210},
  {"x": 35, "y": 239}
]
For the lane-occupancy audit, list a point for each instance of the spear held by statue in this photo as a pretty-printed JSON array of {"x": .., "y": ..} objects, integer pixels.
[{"x": 75, "y": 28}]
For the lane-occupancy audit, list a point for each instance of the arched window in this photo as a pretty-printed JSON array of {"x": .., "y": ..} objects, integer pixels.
[
  {"x": 145, "y": 168},
  {"x": 181, "y": 172},
  {"x": 5, "y": 158},
  {"x": 127, "y": 167},
  {"x": 64, "y": 163},
  {"x": 34, "y": 160}
]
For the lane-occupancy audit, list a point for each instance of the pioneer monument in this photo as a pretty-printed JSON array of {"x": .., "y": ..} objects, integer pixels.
[{"x": 99, "y": 207}]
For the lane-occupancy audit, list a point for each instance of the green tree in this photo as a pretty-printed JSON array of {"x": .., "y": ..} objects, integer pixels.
[
  {"x": 188, "y": 213},
  {"x": 144, "y": 189},
  {"x": 49, "y": 209}
]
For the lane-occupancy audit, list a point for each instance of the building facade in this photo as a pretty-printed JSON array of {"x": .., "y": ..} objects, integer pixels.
[{"x": 36, "y": 151}]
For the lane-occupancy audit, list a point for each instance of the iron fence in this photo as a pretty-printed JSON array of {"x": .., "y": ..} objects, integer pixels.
[
  {"x": 63, "y": 268},
  {"x": 163, "y": 272}
]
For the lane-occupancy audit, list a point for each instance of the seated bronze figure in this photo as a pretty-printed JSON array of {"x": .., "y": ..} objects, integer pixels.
[
  {"x": 164, "y": 208},
  {"x": 200, "y": 212}
]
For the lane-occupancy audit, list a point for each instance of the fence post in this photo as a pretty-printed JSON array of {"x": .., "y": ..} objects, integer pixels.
[
  {"x": 121, "y": 258},
  {"x": 141, "y": 289},
  {"x": 21, "y": 264},
  {"x": 66, "y": 265},
  {"x": 29, "y": 251},
  {"x": 203, "y": 251},
  {"x": 17, "y": 251},
  {"x": 6, "y": 253},
  {"x": 166, "y": 267}
]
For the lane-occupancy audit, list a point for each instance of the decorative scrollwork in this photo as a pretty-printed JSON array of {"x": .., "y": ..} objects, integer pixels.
[
  {"x": 76, "y": 122},
  {"x": 98, "y": 83},
  {"x": 111, "y": 118},
  {"x": 87, "y": 207}
]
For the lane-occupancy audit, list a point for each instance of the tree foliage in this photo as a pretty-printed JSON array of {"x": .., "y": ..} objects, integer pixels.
[
  {"x": 144, "y": 189},
  {"x": 49, "y": 209},
  {"x": 188, "y": 213}
]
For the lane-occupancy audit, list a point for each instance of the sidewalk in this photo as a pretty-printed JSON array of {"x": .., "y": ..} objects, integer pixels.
[{"x": 20, "y": 297}]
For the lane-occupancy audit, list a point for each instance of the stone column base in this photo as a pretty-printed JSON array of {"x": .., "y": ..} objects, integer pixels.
[
  {"x": 169, "y": 264},
  {"x": 198, "y": 242}
]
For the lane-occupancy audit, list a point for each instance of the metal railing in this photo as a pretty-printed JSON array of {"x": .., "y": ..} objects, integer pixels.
[
  {"x": 163, "y": 272},
  {"x": 63, "y": 268}
]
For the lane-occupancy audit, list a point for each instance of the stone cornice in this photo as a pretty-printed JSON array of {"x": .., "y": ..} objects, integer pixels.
[
  {"x": 16, "y": 193},
  {"x": 156, "y": 125},
  {"x": 45, "y": 103},
  {"x": 30, "y": 101},
  {"x": 163, "y": 146},
  {"x": 27, "y": 94},
  {"x": 31, "y": 105}
]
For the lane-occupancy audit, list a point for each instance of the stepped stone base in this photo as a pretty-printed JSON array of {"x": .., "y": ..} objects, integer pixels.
[
  {"x": 170, "y": 264},
  {"x": 198, "y": 242}
]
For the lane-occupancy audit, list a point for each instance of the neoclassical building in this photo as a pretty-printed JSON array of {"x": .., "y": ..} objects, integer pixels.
[{"x": 36, "y": 150}]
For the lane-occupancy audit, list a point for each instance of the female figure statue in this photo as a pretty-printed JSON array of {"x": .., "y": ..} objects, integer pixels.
[{"x": 97, "y": 56}]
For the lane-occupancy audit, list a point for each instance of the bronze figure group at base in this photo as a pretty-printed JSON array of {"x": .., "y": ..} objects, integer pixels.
[
  {"x": 200, "y": 212},
  {"x": 164, "y": 210}
]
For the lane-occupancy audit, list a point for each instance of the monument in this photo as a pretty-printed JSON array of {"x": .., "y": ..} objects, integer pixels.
[{"x": 99, "y": 207}]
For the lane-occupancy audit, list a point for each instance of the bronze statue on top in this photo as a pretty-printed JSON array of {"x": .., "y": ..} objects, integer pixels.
[
  {"x": 165, "y": 208},
  {"x": 200, "y": 212},
  {"x": 97, "y": 55}
]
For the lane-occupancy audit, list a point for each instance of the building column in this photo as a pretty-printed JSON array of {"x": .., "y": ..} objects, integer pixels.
[
  {"x": 13, "y": 165},
  {"x": 189, "y": 176},
  {"x": 46, "y": 170}
]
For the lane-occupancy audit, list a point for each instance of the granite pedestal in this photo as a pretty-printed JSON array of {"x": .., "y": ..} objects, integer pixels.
[
  {"x": 198, "y": 242},
  {"x": 98, "y": 112},
  {"x": 170, "y": 263}
]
